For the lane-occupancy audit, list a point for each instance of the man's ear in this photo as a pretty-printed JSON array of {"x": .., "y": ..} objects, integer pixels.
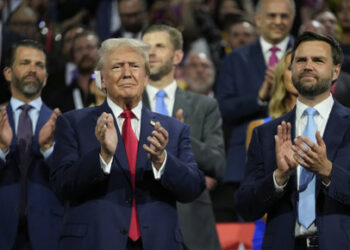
[
  {"x": 7, "y": 73},
  {"x": 257, "y": 19},
  {"x": 336, "y": 72},
  {"x": 178, "y": 56},
  {"x": 103, "y": 82}
]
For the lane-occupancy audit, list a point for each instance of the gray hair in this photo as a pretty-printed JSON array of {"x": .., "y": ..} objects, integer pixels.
[
  {"x": 109, "y": 45},
  {"x": 259, "y": 4}
]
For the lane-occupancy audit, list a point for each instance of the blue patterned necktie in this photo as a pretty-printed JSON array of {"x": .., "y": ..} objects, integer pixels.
[
  {"x": 307, "y": 180},
  {"x": 160, "y": 104}
]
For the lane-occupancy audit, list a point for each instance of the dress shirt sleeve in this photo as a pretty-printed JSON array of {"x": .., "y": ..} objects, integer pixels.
[
  {"x": 158, "y": 173},
  {"x": 47, "y": 153},
  {"x": 3, "y": 155},
  {"x": 278, "y": 187},
  {"x": 106, "y": 167}
]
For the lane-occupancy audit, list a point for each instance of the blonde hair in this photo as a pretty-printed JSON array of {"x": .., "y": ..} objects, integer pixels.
[
  {"x": 278, "y": 103},
  {"x": 115, "y": 43}
]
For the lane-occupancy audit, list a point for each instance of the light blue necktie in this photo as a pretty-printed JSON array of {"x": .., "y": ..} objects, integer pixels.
[
  {"x": 307, "y": 180},
  {"x": 160, "y": 104}
]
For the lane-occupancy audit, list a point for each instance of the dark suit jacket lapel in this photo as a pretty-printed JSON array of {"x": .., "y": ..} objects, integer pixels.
[
  {"x": 12, "y": 124},
  {"x": 44, "y": 116},
  {"x": 180, "y": 101},
  {"x": 146, "y": 130},
  {"x": 338, "y": 121},
  {"x": 259, "y": 61},
  {"x": 292, "y": 185},
  {"x": 145, "y": 99},
  {"x": 120, "y": 154}
]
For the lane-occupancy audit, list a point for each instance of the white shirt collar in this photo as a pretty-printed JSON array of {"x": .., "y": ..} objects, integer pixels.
[
  {"x": 169, "y": 90},
  {"x": 265, "y": 46},
  {"x": 323, "y": 108},
  {"x": 118, "y": 110},
  {"x": 36, "y": 103}
]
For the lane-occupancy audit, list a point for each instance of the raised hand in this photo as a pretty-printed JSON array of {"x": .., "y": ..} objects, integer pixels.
[
  {"x": 179, "y": 115},
  {"x": 6, "y": 133},
  {"x": 313, "y": 157},
  {"x": 284, "y": 153},
  {"x": 106, "y": 135},
  {"x": 265, "y": 90},
  {"x": 158, "y": 142},
  {"x": 47, "y": 131}
]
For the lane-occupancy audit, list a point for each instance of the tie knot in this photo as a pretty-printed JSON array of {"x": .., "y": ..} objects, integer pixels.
[
  {"x": 161, "y": 93},
  {"x": 127, "y": 114},
  {"x": 26, "y": 107},
  {"x": 310, "y": 112},
  {"x": 274, "y": 49}
]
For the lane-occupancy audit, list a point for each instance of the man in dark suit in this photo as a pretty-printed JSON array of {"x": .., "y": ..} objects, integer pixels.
[
  {"x": 197, "y": 220},
  {"x": 76, "y": 95},
  {"x": 244, "y": 88},
  {"x": 298, "y": 176},
  {"x": 114, "y": 201},
  {"x": 30, "y": 213}
]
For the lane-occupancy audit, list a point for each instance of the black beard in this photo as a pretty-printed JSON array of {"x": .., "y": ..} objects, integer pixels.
[
  {"x": 321, "y": 86},
  {"x": 28, "y": 89}
]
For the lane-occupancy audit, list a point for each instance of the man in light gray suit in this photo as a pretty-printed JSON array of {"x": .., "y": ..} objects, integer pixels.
[{"x": 162, "y": 95}]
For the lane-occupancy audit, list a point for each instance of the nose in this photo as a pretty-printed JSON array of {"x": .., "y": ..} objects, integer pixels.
[
  {"x": 308, "y": 64},
  {"x": 278, "y": 19},
  {"x": 126, "y": 71}
]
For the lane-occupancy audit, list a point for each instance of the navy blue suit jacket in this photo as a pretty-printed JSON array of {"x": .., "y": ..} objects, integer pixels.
[
  {"x": 257, "y": 196},
  {"x": 241, "y": 74},
  {"x": 99, "y": 206},
  {"x": 45, "y": 211}
]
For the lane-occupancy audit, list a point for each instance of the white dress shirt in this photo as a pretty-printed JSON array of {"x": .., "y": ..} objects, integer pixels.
[
  {"x": 169, "y": 99},
  {"x": 136, "y": 127},
  {"x": 265, "y": 46},
  {"x": 321, "y": 118},
  {"x": 34, "y": 116}
]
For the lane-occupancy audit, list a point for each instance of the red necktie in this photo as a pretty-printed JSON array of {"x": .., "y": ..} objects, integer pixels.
[
  {"x": 131, "y": 144},
  {"x": 273, "y": 58}
]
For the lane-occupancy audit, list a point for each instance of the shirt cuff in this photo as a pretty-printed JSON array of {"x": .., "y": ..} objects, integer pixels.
[
  {"x": 262, "y": 103},
  {"x": 47, "y": 153},
  {"x": 278, "y": 188},
  {"x": 326, "y": 185},
  {"x": 158, "y": 173},
  {"x": 3, "y": 155},
  {"x": 106, "y": 168}
]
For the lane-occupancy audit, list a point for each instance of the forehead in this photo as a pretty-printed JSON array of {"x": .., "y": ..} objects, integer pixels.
[
  {"x": 130, "y": 6},
  {"x": 199, "y": 58},
  {"x": 23, "y": 52},
  {"x": 157, "y": 37},
  {"x": 91, "y": 39},
  {"x": 313, "y": 49},
  {"x": 276, "y": 6},
  {"x": 327, "y": 15},
  {"x": 124, "y": 55},
  {"x": 246, "y": 26}
]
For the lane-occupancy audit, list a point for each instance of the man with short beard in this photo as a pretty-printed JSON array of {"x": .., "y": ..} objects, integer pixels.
[
  {"x": 199, "y": 74},
  {"x": 77, "y": 95},
  {"x": 197, "y": 220},
  {"x": 30, "y": 213},
  {"x": 297, "y": 169}
]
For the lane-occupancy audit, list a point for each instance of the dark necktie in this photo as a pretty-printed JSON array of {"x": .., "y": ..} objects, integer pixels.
[
  {"x": 24, "y": 139},
  {"x": 307, "y": 204},
  {"x": 24, "y": 136},
  {"x": 131, "y": 144}
]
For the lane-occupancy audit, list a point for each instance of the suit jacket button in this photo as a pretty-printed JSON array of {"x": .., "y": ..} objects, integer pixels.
[
  {"x": 124, "y": 231},
  {"x": 128, "y": 200}
]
